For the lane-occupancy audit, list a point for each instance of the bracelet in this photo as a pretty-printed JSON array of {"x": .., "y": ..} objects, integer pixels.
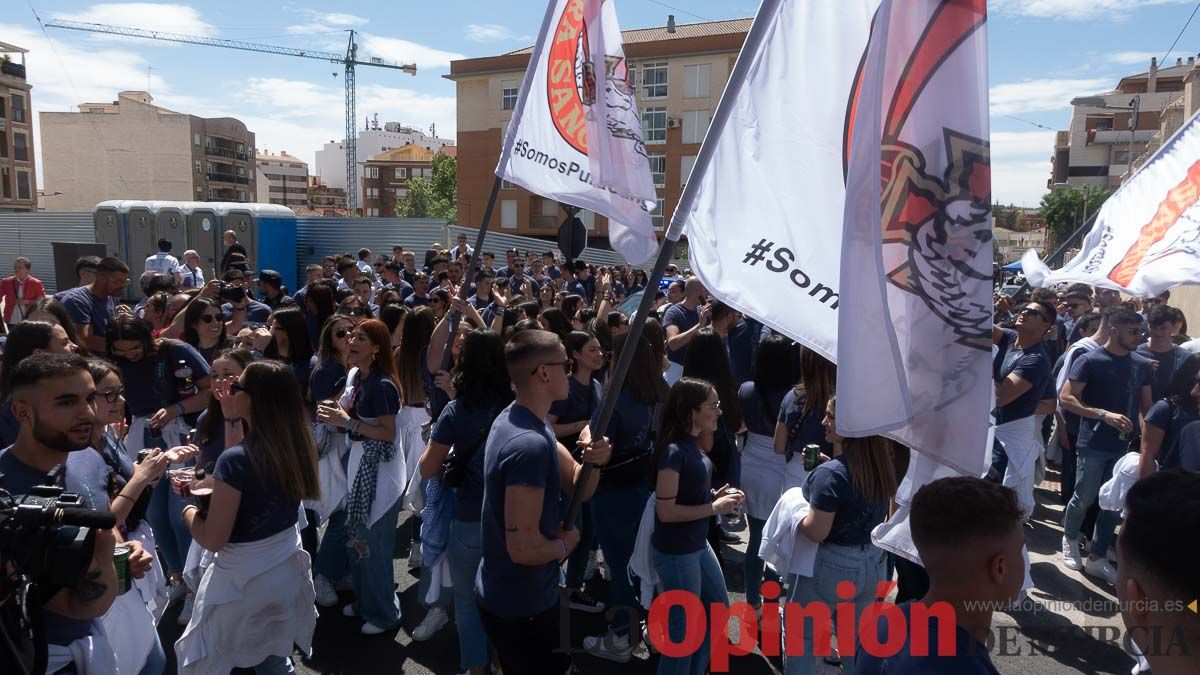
[
  {"x": 120, "y": 495},
  {"x": 1102, "y": 413},
  {"x": 190, "y": 506}
]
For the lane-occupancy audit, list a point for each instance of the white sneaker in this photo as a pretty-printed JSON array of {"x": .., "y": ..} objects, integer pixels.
[
  {"x": 1099, "y": 567},
  {"x": 609, "y": 646},
  {"x": 414, "y": 556},
  {"x": 646, "y": 638},
  {"x": 369, "y": 628},
  {"x": 326, "y": 596},
  {"x": 432, "y": 623},
  {"x": 348, "y": 610},
  {"x": 1071, "y": 556},
  {"x": 185, "y": 614}
]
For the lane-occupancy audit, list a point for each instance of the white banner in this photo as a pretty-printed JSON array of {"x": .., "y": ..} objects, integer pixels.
[
  {"x": 576, "y": 133},
  {"x": 1146, "y": 238},
  {"x": 915, "y": 327},
  {"x": 763, "y": 205}
]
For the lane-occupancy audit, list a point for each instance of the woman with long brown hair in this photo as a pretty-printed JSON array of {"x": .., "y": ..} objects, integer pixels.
[
  {"x": 800, "y": 415},
  {"x": 376, "y": 475},
  {"x": 255, "y": 602},
  {"x": 848, "y": 496},
  {"x": 416, "y": 386}
]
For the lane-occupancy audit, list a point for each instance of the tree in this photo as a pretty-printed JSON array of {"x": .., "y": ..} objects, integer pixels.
[
  {"x": 434, "y": 197},
  {"x": 1063, "y": 209}
]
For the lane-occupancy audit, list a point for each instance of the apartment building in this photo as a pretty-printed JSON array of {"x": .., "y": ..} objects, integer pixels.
[
  {"x": 282, "y": 179},
  {"x": 373, "y": 140},
  {"x": 18, "y": 177},
  {"x": 133, "y": 149},
  {"x": 385, "y": 177},
  {"x": 1098, "y": 147},
  {"x": 324, "y": 200},
  {"x": 679, "y": 72}
]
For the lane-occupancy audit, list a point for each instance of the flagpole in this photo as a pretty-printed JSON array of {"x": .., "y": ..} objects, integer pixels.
[
  {"x": 464, "y": 291},
  {"x": 608, "y": 403}
]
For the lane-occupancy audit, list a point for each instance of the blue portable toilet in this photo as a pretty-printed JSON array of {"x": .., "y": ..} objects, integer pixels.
[{"x": 268, "y": 231}]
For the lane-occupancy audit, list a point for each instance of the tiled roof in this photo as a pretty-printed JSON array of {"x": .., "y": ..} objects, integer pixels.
[{"x": 683, "y": 30}]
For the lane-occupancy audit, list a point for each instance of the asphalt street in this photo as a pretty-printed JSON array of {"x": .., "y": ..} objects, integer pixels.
[{"x": 1070, "y": 623}]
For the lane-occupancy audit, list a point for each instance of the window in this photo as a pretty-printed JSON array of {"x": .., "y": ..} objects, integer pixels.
[
  {"x": 508, "y": 214},
  {"x": 695, "y": 80},
  {"x": 196, "y": 139},
  {"x": 212, "y": 193},
  {"x": 695, "y": 125},
  {"x": 508, "y": 94},
  {"x": 241, "y": 148},
  {"x": 4, "y": 182},
  {"x": 372, "y": 172},
  {"x": 658, "y": 169},
  {"x": 199, "y": 194},
  {"x": 20, "y": 147},
  {"x": 654, "y": 80},
  {"x": 241, "y": 195},
  {"x": 373, "y": 193},
  {"x": 656, "y": 216},
  {"x": 654, "y": 125},
  {"x": 685, "y": 168},
  {"x": 372, "y": 213},
  {"x": 632, "y": 76},
  {"x": 550, "y": 208},
  {"x": 401, "y": 173},
  {"x": 197, "y": 166},
  {"x": 241, "y": 171},
  {"x": 3, "y": 144},
  {"x": 505, "y": 185},
  {"x": 18, "y": 108}
]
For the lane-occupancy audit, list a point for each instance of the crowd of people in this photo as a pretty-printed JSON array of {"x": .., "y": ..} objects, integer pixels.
[{"x": 258, "y": 445}]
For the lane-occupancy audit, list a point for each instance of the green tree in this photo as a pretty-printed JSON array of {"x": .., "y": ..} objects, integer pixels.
[
  {"x": 1063, "y": 209},
  {"x": 434, "y": 197}
]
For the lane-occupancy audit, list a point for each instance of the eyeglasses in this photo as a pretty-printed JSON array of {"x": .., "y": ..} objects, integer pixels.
[
  {"x": 716, "y": 405},
  {"x": 357, "y": 311},
  {"x": 568, "y": 366},
  {"x": 209, "y": 318},
  {"x": 236, "y": 386},
  {"x": 112, "y": 395},
  {"x": 340, "y": 333},
  {"x": 1077, "y": 305}
]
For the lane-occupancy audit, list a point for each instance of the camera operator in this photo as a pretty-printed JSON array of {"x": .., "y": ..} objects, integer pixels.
[{"x": 53, "y": 399}]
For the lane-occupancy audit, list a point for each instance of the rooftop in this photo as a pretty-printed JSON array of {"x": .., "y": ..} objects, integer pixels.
[
  {"x": 408, "y": 153},
  {"x": 683, "y": 30},
  {"x": 265, "y": 155}
]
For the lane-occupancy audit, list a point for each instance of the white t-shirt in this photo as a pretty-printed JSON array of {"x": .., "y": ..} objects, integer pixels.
[{"x": 163, "y": 263}]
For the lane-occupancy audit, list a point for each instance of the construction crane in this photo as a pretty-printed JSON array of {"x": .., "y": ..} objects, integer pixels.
[{"x": 349, "y": 60}]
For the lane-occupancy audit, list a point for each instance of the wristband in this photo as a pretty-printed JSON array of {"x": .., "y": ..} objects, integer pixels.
[
  {"x": 190, "y": 506},
  {"x": 1102, "y": 413},
  {"x": 121, "y": 495}
]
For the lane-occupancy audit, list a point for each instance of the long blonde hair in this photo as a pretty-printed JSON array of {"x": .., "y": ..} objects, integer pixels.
[{"x": 280, "y": 447}]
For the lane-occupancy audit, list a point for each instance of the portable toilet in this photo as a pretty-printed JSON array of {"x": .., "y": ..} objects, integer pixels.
[
  {"x": 171, "y": 224},
  {"x": 109, "y": 219},
  {"x": 204, "y": 235},
  {"x": 255, "y": 224},
  {"x": 141, "y": 241}
]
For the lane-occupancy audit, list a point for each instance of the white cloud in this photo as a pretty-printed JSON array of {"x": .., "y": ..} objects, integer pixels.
[
  {"x": 404, "y": 51},
  {"x": 1008, "y": 144},
  {"x": 320, "y": 22},
  {"x": 1041, "y": 95},
  {"x": 144, "y": 15},
  {"x": 1115, "y": 10},
  {"x": 1019, "y": 182},
  {"x": 492, "y": 32}
]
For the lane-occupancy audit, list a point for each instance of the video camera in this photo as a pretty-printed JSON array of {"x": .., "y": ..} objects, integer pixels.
[
  {"x": 232, "y": 293},
  {"x": 47, "y": 539}
]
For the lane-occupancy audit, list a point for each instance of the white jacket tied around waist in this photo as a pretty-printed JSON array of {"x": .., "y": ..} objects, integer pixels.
[
  {"x": 255, "y": 600},
  {"x": 1022, "y": 445},
  {"x": 785, "y": 549},
  {"x": 1125, "y": 474},
  {"x": 641, "y": 563}
]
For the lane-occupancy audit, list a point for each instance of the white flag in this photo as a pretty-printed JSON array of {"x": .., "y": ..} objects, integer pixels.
[
  {"x": 576, "y": 135},
  {"x": 763, "y": 205},
  {"x": 915, "y": 326},
  {"x": 1146, "y": 238}
]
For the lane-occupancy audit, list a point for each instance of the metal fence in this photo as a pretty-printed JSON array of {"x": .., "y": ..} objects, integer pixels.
[{"x": 30, "y": 234}]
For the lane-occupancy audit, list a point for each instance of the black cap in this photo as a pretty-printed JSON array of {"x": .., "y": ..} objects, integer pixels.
[{"x": 271, "y": 277}]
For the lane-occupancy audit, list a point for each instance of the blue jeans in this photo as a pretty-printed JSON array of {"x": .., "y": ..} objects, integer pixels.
[
  {"x": 156, "y": 660},
  {"x": 861, "y": 565},
  {"x": 752, "y": 568},
  {"x": 275, "y": 665},
  {"x": 465, "y": 550},
  {"x": 165, "y": 513},
  {"x": 700, "y": 574},
  {"x": 614, "y": 509},
  {"x": 374, "y": 577},
  {"x": 333, "y": 557},
  {"x": 1091, "y": 471}
]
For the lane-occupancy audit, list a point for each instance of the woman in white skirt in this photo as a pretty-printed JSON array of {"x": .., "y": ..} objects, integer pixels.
[
  {"x": 255, "y": 603},
  {"x": 415, "y": 389}
]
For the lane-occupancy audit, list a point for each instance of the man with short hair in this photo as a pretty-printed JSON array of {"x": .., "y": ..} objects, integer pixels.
[
  {"x": 969, "y": 536},
  {"x": 270, "y": 286},
  {"x": 1077, "y": 303},
  {"x": 349, "y": 271},
  {"x": 232, "y": 247},
  {"x": 165, "y": 263},
  {"x": 192, "y": 276},
  {"x": 329, "y": 266},
  {"x": 313, "y": 273},
  {"x": 53, "y": 399},
  {"x": 1161, "y": 349},
  {"x": 682, "y": 322},
  {"x": 550, "y": 265},
  {"x": 734, "y": 330},
  {"x": 488, "y": 261},
  {"x": 246, "y": 310},
  {"x": 393, "y": 279},
  {"x": 364, "y": 260},
  {"x": 528, "y": 478},
  {"x": 573, "y": 274},
  {"x": 420, "y": 294},
  {"x": 1157, "y": 581},
  {"x": 397, "y": 251},
  {"x": 1108, "y": 388},
  {"x": 510, "y": 261},
  {"x": 461, "y": 249},
  {"x": 92, "y": 306},
  {"x": 518, "y": 280},
  {"x": 85, "y": 269},
  {"x": 364, "y": 290},
  {"x": 409, "y": 260},
  {"x": 21, "y": 291}
]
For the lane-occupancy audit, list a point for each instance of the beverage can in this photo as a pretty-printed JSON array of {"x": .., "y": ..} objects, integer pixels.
[
  {"x": 121, "y": 563},
  {"x": 812, "y": 456}
]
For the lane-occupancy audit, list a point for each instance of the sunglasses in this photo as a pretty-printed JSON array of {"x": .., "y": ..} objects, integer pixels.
[
  {"x": 236, "y": 386},
  {"x": 209, "y": 318},
  {"x": 1030, "y": 311},
  {"x": 357, "y": 311},
  {"x": 341, "y": 333},
  {"x": 568, "y": 366},
  {"x": 112, "y": 394}
]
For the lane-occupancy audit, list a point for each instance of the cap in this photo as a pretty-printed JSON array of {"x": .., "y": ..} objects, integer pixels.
[{"x": 270, "y": 276}]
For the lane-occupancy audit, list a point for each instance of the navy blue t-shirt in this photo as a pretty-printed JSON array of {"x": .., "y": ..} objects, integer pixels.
[
  {"x": 970, "y": 657},
  {"x": 145, "y": 390},
  {"x": 212, "y": 447},
  {"x": 791, "y": 413},
  {"x": 1114, "y": 384},
  {"x": 326, "y": 379},
  {"x": 264, "y": 509},
  {"x": 256, "y": 312},
  {"x": 464, "y": 427},
  {"x": 1032, "y": 365},
  {"x": 685, "y": 319},
  {"x": 580, "y": 403},
  {"x": 413, "y": 301},
  {"x": 1181, "y": 436},
  {"x": 760, "y": 417},
  {"x": 739, "y": 344},
  {"x": 515, "y": 286},
  {"x": 19, "y": 478},
  {"x": 577, "y": 287},
  {"x": 86, "y": 308},
  {"x": 630, "y": 433},
  {"x": 375, "y": 396},
  {"x": 829, "y": 488},
  {"x": 520, "y": 450},
  {"x": 1168, "y": 362},
  {"x": 695, "y": 489}
]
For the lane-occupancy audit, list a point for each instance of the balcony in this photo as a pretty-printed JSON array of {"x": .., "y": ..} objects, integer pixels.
[
  {"x": 13, "y": 69},
  {"x": 1111, "y": 136},
  {"x": 227, "y": 178},
  {"x": 229, "y": 153}
]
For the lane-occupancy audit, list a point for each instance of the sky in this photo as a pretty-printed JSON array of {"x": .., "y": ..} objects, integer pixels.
[{"x": 1042, "y": 53}]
